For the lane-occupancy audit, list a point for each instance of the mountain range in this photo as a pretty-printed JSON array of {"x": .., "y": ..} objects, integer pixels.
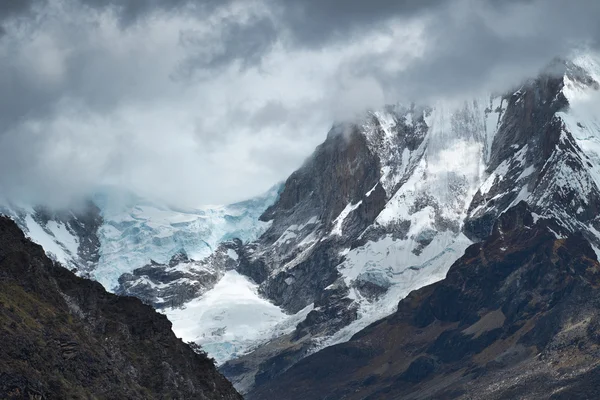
[{"x": 426, "y": 251}]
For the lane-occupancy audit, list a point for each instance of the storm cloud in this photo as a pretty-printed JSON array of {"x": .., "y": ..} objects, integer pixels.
[{"x": 196, "y": 102}]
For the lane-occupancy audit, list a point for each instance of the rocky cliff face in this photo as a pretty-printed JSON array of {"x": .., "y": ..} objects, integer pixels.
[
  {"x": 66, "y": 337},
  {"x": 516, "y": 316},
  {"x": 182, "y": 279},
  {"x": 537, "y": 156},
  {"x": 68, "y": 236}
]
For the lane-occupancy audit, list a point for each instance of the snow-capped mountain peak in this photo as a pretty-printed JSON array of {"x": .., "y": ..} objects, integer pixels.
[{"x": 435, "y": 179}]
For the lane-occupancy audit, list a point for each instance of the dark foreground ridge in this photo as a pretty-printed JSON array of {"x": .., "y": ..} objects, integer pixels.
[
  {"x": 518, "y": 316},
  {"x": 64, "y": 337}
]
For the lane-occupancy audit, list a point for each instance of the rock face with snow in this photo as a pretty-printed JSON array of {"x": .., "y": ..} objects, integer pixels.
[
  {"x": 516, "y": 317},
  {"x": 70, "y": 237},
  {"x": 181, "y": 280},
  {"x": 537, "y": 156},
  {"x": 350, "y": 241}
]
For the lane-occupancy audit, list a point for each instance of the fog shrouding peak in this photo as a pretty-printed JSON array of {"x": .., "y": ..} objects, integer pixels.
[{"x": 199, "y": 102}]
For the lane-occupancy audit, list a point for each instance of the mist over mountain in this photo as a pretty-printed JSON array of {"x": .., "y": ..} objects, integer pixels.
[
  {"x": 329, "y": 200},
  {"x": 197, "y": 103}
]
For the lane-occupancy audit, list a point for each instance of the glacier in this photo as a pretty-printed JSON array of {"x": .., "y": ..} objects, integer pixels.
[
  {"x": 136, "y": 231},
  {"x": 133, "y": 231}
]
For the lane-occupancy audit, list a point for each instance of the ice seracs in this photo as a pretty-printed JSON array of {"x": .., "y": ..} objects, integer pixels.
[{"x": 139, "y": 231}]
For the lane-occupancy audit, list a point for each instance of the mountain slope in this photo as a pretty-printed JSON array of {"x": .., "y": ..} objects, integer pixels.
[
  {"x": 66, "y": 337},
  {"x": 516, "y": 316},
  {"x": 443, "y": 176}
]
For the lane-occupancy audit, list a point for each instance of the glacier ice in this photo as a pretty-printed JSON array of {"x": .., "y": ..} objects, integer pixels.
[{"x": 137, "y": 231}]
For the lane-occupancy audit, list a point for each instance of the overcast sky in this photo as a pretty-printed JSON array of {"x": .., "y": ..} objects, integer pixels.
[{"x": 206, "y": 102}]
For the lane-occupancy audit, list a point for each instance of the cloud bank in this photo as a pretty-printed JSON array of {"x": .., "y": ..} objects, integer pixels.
[{"x": 198, "y": 102}]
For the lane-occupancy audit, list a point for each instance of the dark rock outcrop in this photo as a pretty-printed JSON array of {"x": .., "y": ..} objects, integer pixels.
[
  {"x": 66, "y": 337},
  {"x": 340, "y": 171},
  {"x": 182, "y": 279}
]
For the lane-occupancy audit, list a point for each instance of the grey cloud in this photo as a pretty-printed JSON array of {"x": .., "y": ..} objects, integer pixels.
[
  {"x": 475, "y": 45},
  {"x": 305, "y": 23},
  {"x": 467, "y": 48},
  {"x": 318, "y": 22},
  {"x": 17, "y": 9},
  {"x": 131, "y": 11},
  {"x": 315, "y": 22},
  {"x": 128, "y": 12},
  {"x": 229, "y": 41},
  {"x": 11, "y": 8},
  {"x": 22, "y": 96},
  {"x": 468, "y": 54},
  {"x": 462, "y": 54},
  {"x": 272, "y": 113},
  {"x": 90, "y": 77}
]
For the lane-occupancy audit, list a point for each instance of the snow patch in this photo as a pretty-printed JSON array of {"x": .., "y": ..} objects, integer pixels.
[
  {"x": 232, "y": 254},
  {"x": 339, "y": 221},
  {"x": 231, "y": 319},
  {"x": 37, "y": 234},
  {"x": 393, "y": 263}
]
